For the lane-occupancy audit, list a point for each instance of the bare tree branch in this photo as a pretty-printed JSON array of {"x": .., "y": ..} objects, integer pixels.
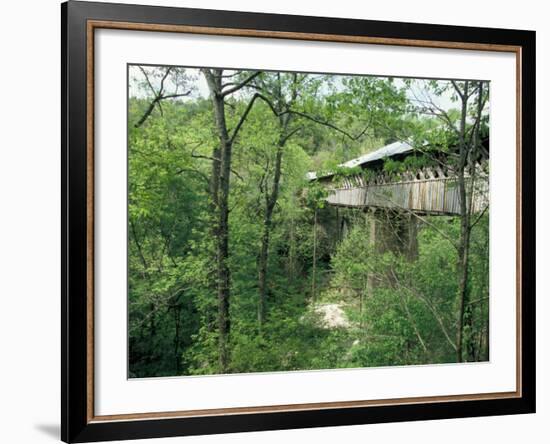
[
  {"x": 158, "y": 96},
  {"x": 330, "y": 125},
  {"x": 215, "y": 159},
  {"x": 197, "y": 172},
  {"x": 480, "y": 215},
  {"x": 238, "y": 86},
  {"x": 290, "y": 134},
  {"x": 460, "y": 93},
  {"x": 245, "y": 115},
  {"x": 147, "y": 80},
  {"x": 430, "y": 306}
]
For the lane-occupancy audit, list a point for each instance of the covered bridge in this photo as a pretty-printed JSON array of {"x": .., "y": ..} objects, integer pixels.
[{"x": 425, "y": 190}]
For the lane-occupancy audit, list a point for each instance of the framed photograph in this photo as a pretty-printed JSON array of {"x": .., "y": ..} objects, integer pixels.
[{"x": 275, "y": 221}]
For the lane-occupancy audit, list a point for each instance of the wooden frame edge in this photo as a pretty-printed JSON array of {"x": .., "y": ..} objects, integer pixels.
[
  {"x": 519, "y": 221},
  {"x": 90, "y": 208},
  {"x": 337, "y": 38},
  {"x": 285, "y": 408}
]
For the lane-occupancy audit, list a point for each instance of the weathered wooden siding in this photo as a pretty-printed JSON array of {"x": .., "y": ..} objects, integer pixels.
[{"x": 429, "y": 192}]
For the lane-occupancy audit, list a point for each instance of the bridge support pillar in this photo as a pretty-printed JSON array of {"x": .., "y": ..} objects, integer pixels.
[
  {"x": 394, "y": 231},
  {"x": 391, "y": 231}
]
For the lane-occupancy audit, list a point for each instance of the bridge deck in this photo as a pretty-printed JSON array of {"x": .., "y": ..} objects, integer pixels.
[{"x": 427, "y": 195}]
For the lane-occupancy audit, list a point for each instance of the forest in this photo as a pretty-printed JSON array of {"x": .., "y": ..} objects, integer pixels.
[{"x": 238, "y": 259}]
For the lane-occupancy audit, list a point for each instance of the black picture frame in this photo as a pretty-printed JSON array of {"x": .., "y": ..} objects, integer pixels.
[{"x": 76, "y": 423}]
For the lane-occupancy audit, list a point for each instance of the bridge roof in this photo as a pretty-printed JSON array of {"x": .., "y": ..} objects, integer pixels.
[{"x": 393, "y": 149}]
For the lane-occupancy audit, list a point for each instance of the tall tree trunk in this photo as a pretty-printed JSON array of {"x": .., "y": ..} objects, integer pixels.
[
  {"x": 314, "y": 271},
  {"x": 279, "y": 105},
  {"x": 177, "y": 321},
  {"x": 215, "y": 175},
  {"x": 262, "y": 271},
  {"x": 470, "y": 343},
  {"x": 464, "y": 239},
  {"x": 485, "y": 326},
  {"x": 219, "y": 187},
  {"x": 270, "y": 202},
  {"x": 371, "y": 226},
  {"x": 224, "y": 275},
  {"x": 221, "y": 171},
  {"x": 467, "y": 163},
  {"x": 291, "y": 266},
  {"x": 463, "y": 259}
]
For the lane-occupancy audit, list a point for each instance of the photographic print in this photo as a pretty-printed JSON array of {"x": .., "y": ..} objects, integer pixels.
[{"x": 284, "y": 221}]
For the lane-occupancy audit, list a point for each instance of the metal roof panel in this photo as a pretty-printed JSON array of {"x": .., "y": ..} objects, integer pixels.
[{"x": 390, "y": 150}]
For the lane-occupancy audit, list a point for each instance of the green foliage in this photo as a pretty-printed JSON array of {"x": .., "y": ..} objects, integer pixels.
[
  {"x": 316, "y": 195},
  {"x": 410, "y": 163}
]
